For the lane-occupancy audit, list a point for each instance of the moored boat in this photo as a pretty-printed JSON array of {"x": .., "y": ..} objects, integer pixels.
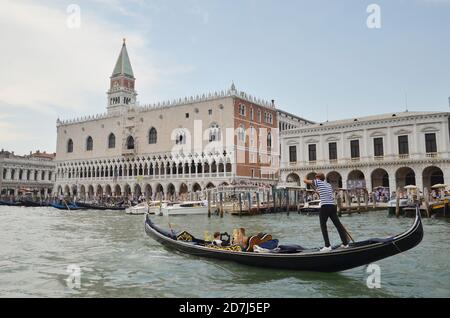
[
  {"x": 31, "y": 203},
  {"x": 294, "y": 257},
  {"x": 68, "y": 206},
  {"x": 311, "y": 207},
  {"x": 11, "y": 203},
  {"x": 184, "y": 208},
  {"x": 141, "y": 208},
  {"x": 102, "y": 207},
  {"x": 392, "y": 205},
  {"x": 440, "y": 208}
]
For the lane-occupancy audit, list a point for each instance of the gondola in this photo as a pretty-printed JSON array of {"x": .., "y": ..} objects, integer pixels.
[
  {"x": 11, "y": 203},
  {"x": 69, "y": 206},
  {"x": 93, "y": 206},
  {"x": 31, "y": 203},
  {"x": 294, "y": 257}
]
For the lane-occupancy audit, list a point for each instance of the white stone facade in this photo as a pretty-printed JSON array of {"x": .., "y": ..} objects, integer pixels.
[
  {"x": 394, "y": 150},
  {"x": 20, "y": 174}
]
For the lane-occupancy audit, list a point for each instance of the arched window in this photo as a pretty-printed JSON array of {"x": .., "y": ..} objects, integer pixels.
[
  {"x": 89, "y": 144},
  {"x": 152, "y": 136},
  {"x": 241, "y": 133},
  {"x": 111, "y": 141},
  {"x": 70, "y": 146},
  {"x": 252, "y": 135},
  {"x": 180, "y": 138},
  {"x": 269, "y": 140},
  {"x": 214, "y": 132},
  {"x": 130, "y": 142}
]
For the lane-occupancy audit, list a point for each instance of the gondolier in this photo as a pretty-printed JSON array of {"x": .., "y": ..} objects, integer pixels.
[{"x": 328, "y": 209}]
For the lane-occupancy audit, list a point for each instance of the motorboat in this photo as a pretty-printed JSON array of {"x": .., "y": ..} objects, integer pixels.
[
  {"x": 154, "y": 207},
  {"x": 311, "y": 207},
  {"x": 141, "y": 208},
  {"x": 184, "y": 208},
  {"x": 392, "y": 205}
]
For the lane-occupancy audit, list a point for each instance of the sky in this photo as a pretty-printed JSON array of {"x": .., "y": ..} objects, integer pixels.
[{"x": 317, "y": 59}]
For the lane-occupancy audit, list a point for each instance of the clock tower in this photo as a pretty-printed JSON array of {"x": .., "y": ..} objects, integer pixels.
[{"x": 121, "y": 94}]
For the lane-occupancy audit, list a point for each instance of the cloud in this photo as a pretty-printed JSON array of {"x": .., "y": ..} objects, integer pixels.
[
  {"x": 9, "y": 132},
  {"x": 50, "y": 70},
  {"x": 444, "y": 2},
  {"x": 49, "y": 67}
]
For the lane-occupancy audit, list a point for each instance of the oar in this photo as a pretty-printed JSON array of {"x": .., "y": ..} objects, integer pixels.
[
  {"x": 171, "y": 229},
  {"x": 66, "y": 205},
  {"x": 348, "y": 234}
]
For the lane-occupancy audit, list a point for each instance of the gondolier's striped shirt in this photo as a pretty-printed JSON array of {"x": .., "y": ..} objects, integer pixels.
[{"x": 325, "y": 192}]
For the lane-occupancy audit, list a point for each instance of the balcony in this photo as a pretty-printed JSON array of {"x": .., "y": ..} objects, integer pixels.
[
  {"x": 333, "y": 161},
  {"x": 312, "y": 163},
  {"x": 378, "y": 158},
  {"x": 356, "y": 159},
  {"x": 292, "y": 163},
  {"x": 432, "y": 154},
  {"x": 403, "y": 156}
]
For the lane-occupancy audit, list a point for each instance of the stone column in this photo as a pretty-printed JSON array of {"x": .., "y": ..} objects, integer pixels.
[
  {"x": 392, "y": 183},
  {"x": 419, "y": 178},
  {"x": 446, "y": 169}
]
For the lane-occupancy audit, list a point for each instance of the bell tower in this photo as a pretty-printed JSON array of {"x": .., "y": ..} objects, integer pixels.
[{"x": 121, "y": 94}]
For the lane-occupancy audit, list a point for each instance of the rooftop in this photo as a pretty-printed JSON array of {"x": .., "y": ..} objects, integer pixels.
[{"x": 372, "y": 118}]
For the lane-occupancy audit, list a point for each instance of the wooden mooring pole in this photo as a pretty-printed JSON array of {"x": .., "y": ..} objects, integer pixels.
[
  {"x": 397, "y": 203},
  {"x": 221, "y": 204},
  {"x": 426, "y": 195},
  {"x": 288, "y": 203},
  {"x": 240, "y": 204},
  {"x": 209, "y": 203},
  {"x": 257, "y": 202},
  {"x": 274, "y": 198},
  {"x": 296, "y": 200}
]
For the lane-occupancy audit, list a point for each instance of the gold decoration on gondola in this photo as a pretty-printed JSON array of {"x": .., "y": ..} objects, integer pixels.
[
  {"x": 185, "y": 237},
  {"x": 234, "y": 248}
]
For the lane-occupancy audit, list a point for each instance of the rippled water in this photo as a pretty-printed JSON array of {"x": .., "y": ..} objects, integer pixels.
[{"x": 117, "y": 259}]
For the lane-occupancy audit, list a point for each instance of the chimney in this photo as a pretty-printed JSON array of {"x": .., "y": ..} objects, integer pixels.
[{"x": 273, "y": 102}]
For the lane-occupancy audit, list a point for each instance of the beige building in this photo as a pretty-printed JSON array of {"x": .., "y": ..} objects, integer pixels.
[{"x": 173, "y": 147}]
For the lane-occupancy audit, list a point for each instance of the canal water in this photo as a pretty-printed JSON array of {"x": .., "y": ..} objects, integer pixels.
[{"x": 117, "y": 259}]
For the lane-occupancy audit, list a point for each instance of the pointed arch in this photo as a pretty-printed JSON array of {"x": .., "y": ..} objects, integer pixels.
[
  {"x": 130, "y": 143},
  {"x": 70, "y": 146},
  {"x": 152, "y": 136},
  {"x": 89, "y": 143},
  {"x": 111, "y": 141}
]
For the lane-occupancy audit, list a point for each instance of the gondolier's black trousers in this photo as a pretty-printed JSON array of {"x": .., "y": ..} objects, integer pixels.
[{"x": 330, "y": 211}]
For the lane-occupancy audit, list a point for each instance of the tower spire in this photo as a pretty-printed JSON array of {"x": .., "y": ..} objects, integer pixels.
[
  {"x": 121, "y": 94},
  {"x": 123, "y": 64}
]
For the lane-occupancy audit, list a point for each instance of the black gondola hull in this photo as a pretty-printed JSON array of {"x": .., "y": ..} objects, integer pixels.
[
  {"x": 100, "y": 207},
  {"x": 339, "y": 259}
]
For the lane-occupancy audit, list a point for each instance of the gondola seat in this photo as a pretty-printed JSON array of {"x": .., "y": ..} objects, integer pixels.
[{"x": 257, "y": 240}]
